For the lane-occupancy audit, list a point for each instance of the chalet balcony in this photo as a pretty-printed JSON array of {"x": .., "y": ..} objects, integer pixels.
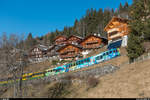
[
  {"x": 68, "y": 56},
  {"x": 64, "y": 53},
  {"x": 93, "y": 46},
  {"x": 112, "y": 30},
  {"x": 115, "y": 35}
]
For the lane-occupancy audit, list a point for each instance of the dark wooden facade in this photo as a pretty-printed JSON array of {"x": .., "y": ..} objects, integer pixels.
[
  {"x": 69, "y": 51},
  {"x": 93, "y": 42},
  {"x": 60, "y": 40},
  {"x": 74, "y": 39},
  {"x": 37, "y": 53}
]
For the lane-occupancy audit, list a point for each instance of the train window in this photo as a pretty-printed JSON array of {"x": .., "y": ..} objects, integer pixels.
[
  {"x": 101, "y": 57},
  {"x": 84, "y": 60},
  {"x": 88, "y": 60},
  {"x": 104, "y": 54},
  {"x": 107, "y": 53},
  {"x": 97, "y": 58},
  {"x": 81, "y": 61},
  {"x": 78, "y": 62},
  {"x": 110, "y": 52},
  {"x": 74, "y": 64},
  {"x": 69, "y": 65}
]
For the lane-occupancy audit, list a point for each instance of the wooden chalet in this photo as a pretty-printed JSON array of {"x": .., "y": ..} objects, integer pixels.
[
  {"x": 74, "y": 39},
  {"x": 116, "y": 28},
  {"x": 117, "y": 31},
  {"x": 70, "y": 51},
  {"x": 93, "y": 42},
  {"x": 38, "y": 52},
  {"x": 60, "y": 40},
  {"x": 52, "y": 51}
]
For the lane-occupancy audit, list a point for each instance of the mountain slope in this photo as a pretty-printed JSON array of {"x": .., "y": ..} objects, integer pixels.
[{"x": 130, "y": 81}]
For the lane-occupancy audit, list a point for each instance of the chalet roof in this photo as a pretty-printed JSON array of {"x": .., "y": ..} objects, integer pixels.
[
  {"x": 60, "y": 36},
  {"x": 41, "y": 47},
  {"x": 78, "y": 46},
  {"x": 103, "y": 38},
  {"x": 74, "y": 36},
  {"x": 115, "y": 18}
]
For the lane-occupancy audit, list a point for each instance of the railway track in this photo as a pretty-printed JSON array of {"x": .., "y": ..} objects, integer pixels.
[{"x": 79, "y": 67}]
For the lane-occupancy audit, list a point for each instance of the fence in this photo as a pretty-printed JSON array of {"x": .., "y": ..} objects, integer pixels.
[{"x": 141, "y": 58}]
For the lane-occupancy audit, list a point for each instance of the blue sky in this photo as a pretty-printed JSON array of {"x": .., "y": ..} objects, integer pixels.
[{"x": 42, "y": 16}]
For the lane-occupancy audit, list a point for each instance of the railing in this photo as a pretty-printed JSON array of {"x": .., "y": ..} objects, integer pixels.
[
  {"x": 139, "y": 59},
  {"x": 91, "y": 46},
  {"x": 114, "y": 29}
]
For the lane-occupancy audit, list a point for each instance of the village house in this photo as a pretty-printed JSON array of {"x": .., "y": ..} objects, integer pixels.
[
  {"x": 74, "y": 39},
  {"x": 52, "y": 51},
  {"x": 70, "y": 51},
  {"x": 38, "y": 52},
  {"x": 117, "y": 31},
  {"x": 59, "y": 40},
  {"x": 92, "y": 42}
]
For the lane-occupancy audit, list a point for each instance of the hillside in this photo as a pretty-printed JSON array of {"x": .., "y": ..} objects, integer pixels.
[{"x": 131, "y": 80}]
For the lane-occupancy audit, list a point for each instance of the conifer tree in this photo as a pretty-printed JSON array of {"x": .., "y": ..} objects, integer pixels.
[
  {"x": 136, "y": 25},
  {"x": 30, "y": 41}
]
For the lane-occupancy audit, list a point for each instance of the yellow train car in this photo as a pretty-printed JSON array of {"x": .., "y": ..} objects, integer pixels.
[
  {"x": 38, "y": 75},
  {"x": 3, "y": 82},
  {"x": 26, "y": 76}
]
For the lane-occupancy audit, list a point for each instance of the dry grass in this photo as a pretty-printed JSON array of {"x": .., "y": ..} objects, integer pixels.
[{"x": 130, "y": 81}]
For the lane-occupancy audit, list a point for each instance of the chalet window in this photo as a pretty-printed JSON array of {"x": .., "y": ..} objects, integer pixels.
[
  {"x": 113, "y": 33},
  {"x": 91, "y": 43}
]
